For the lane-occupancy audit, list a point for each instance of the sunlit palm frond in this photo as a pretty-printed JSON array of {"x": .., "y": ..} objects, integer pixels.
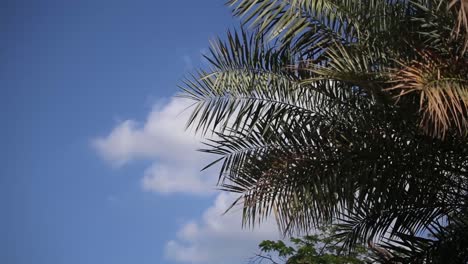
[
  {"x": 246, "y": 77},
  {"x": 443, "y": 93}
]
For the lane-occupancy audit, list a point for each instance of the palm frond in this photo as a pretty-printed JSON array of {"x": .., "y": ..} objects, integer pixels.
[
  {"x": 289, "y": 19},
  {"x": 460, "y": 30},
  {"x": 445, "y": 240},
  {"x": 443, "y": 93}
]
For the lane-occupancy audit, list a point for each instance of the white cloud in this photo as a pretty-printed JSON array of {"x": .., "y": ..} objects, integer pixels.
[
  {"x": 175, "y": 168},
  {"x": 164, "y": 178},
  {"x": 162, "y": 136},
  {"x": 218, "y": 238},
  {"x": 164, "y": 140}
]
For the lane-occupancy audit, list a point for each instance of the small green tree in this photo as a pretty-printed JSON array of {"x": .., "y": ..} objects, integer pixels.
[{"x": 322, "y": 248}]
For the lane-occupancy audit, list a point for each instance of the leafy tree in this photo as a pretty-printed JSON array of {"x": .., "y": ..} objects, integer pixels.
[
  {"x": 320, "y": 248},
  {"x": 345, "y": 112}
]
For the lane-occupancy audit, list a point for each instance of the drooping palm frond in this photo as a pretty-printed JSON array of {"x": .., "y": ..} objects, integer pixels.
[
  {"x": 413, "y": 211},
  {"x": 445, "y": 241},
  {"x": 311, "y": 173}
]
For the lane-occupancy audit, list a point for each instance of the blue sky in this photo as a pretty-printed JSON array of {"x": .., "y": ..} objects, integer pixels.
[{"x": 96, "y": 167}]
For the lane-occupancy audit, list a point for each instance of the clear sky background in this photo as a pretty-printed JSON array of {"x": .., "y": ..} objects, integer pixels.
[{"x": 96, "y": 167}]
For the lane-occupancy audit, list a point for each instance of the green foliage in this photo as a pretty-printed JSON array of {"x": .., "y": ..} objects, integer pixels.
[
  {"x": 345, "y": 112},
  {"x": 321, "y": 248}
]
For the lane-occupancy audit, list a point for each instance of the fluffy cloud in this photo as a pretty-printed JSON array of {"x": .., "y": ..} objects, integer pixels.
[
  {"x": 163, "y": 139},
  {"x": 218, "y": 238},
  {"x": 163, "y": 135}
]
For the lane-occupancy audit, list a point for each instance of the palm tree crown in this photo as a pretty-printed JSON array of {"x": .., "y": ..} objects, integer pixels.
[{"x": 349, "y": 112}]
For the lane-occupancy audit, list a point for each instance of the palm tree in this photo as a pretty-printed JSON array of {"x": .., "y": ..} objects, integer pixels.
[{"x": 345, "y": 112}]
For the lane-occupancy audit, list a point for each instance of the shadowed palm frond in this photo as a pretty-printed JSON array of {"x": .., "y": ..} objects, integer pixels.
[
  {"x": 460, "y": 30},
  {"x": 444, "y": 241}
]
